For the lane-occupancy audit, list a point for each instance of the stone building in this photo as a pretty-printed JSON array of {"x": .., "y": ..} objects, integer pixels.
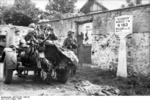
[{"x": 98, "y": 43}]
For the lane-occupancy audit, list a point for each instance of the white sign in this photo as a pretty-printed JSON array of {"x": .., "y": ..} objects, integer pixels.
[{"x": 123, "y": 24}]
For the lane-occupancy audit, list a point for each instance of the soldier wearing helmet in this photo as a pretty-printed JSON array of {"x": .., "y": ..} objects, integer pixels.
[
  {"x": 49, "y": 33},
  {"x": 70, "y": 42},
  {"x": 32, "y": 25}
]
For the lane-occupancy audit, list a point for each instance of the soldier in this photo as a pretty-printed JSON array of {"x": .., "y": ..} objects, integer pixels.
[
  {"x": 10, "y": 57},
  {"x": 42, "y": 62},
  {"x": 32, "y": 25},
  {"x": 50, "y": 33},
  {"x": 70, "y": 42}
]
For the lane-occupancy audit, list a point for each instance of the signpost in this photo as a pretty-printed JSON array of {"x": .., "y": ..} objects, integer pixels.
[{"x": 123, "y": 27}]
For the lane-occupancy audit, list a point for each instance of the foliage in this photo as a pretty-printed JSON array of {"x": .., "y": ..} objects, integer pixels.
[
  {"x": 27, "y": 7},
  {"x": 11, "y": 16},
  {"x": 130, "y": 3},
  {"x": 59, "y": 7},
  {"x": 22, "y": 13},
  {"x": 137, "y": 2}
]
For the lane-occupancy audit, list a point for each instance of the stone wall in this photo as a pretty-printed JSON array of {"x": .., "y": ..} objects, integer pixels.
[
  {"x": 138, "y": 54},
  {"x": 105, "y": 42}
]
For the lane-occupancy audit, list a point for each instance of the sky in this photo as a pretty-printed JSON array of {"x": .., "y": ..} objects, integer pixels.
[
  {"x": 110, "y": 4},
  {"x": 40, "y": 3}
]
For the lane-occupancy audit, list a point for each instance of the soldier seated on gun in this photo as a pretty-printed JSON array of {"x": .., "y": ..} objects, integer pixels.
[
  {"x": 49, "y": 32},
  {"x": 70, "y": 42},
  {"x": 46, "y": 65}
]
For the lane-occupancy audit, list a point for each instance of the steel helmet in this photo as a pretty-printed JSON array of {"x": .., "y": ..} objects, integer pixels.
[
  {"x": 32, "y": 25},
  {"x": 48, "y": 27},
  {"x": 70, "y": 33}
]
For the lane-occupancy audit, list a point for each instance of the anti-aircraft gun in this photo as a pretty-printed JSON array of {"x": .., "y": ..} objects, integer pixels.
[{"x": 61, "y": 61}]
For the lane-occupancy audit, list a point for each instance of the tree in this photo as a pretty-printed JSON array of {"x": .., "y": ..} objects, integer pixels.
[
  {"x": 11, "y": 16},
  {"x": 60, "y": 7},
  {"x": 27, "y": 7},
  {"x": 131, "y": 3},
  {"x": 138, "y": 2},
  {"x": 22, "y": 13}
]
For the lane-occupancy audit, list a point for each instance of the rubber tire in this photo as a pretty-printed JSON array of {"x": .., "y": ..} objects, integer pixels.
[
  {"x": 8, "y": 73},
  {"x": 63, "y": 71},
  {"x": 62, "y": 75}
]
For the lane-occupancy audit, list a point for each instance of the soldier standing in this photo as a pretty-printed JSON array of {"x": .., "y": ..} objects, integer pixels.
[{"x": 70, "y": 42}]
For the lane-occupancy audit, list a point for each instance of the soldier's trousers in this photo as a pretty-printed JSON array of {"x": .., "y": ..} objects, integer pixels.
[{"x": 46, "y": 65}]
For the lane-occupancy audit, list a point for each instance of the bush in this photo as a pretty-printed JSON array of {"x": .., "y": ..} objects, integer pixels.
[{"x": 11, "y": 16}]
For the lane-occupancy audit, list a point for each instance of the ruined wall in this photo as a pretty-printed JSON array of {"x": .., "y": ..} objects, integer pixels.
[{"x": 105, "y": 42}]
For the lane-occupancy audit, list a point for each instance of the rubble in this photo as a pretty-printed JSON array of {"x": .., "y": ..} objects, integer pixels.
[{"x": 96, "y": 90}]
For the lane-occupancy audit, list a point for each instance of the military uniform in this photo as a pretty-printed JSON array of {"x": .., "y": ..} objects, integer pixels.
[
  {"x": 10, "y": 58},
  {"x": 70, "y": 43}
]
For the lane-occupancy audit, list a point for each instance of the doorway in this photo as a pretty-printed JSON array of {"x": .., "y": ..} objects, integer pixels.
[{"x": 84, "y": 40}]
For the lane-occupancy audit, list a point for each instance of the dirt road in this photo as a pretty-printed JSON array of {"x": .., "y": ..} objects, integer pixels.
[
  {"x": 24, "y": 88},
  {"x": 78, "y": 85},
  {"x": 28, "y": 87},
  {"x": 91, "y": 81}
]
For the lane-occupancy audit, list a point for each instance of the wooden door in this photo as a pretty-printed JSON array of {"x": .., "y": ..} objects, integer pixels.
[{"x": 84, "y": 38}]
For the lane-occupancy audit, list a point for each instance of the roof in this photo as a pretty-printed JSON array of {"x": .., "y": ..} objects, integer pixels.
[{"x": 89, "y": 3}]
